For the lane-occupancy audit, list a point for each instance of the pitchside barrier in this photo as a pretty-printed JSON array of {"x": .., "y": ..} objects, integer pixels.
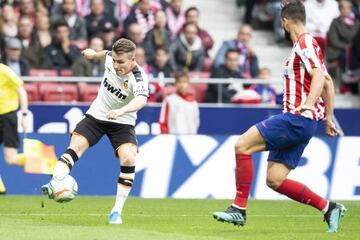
[{"x": 197, "y": 166}]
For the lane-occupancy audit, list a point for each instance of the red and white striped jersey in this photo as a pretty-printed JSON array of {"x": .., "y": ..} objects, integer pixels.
[{"x": 305, "y": 56}]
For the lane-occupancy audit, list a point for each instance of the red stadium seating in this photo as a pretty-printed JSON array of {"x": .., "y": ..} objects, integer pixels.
[
  {"x": 88, "y": 92},
  {"x": 43, "y": 73},
  {"x": 58, "y": 92},
  {"x": 199, "y": 90},
  {"x": 66, "y": 73},
  {"x": 32, "y": 92},
  {"x": 208, "y": 62}
]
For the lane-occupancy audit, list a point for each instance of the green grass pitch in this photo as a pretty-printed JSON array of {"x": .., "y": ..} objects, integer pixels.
[{"x": 35, "y": 217}]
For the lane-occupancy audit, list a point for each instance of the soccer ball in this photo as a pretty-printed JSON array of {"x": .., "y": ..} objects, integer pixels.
[{"x": 64, "y": 189}]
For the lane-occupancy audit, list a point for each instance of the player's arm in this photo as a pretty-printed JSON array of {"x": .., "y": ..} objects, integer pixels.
[
  {"x": 134, "y": 105},
  {"x": 316, "y": 87},
  {"x": 91, "y": 54},
  {"x": 328, "y": 96}
]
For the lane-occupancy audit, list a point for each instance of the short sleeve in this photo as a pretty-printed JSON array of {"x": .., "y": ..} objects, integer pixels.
[
  {"x": 141, "y": 83},
  {"x": 14, "y": 79},
  {"x": 310, "y": 53}
]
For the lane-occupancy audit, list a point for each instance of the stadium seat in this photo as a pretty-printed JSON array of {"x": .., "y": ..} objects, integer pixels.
[
  {"x": 58, "y": 92},
  {"x": 66, "y": 73},
  {"x": 43, "y": 73},
  {"x": 199, "y": 90},
  {"x": 82, "y": 44},
  {"x": 167, "y": 90},
  {"x": 88, "y": 92},
  {"x": 32, "y": 92}
]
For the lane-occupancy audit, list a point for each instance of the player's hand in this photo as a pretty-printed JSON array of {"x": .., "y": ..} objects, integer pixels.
[
  {"x": 88, "y": 53},
  {"x": 330, "y": 128},
  {"x": 302, "y": 108},
  {"x": 114, "y": 114}
]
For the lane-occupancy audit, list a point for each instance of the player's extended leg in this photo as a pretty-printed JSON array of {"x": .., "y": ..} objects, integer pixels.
[
  {"x": 127, "y": 153},
  {"x": 276, "y": 179},
  {"x": 78, "y": 145},
  {"x": 248, "y": 143}
]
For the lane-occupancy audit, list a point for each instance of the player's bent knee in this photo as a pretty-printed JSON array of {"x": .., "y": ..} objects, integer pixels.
[
  {"x": 127, "y": 160},
  {"x": 241, "y": 146},
  {"x": 274, "y": 182}
]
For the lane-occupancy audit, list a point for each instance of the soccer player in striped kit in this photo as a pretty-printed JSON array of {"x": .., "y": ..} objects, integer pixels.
[
  {"x": 124, "y": 91},
  {"x": 308, "y": 98}
]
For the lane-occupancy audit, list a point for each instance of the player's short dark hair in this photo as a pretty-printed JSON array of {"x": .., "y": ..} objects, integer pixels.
[
  {"x": 294, "y": 10},
  {"x": 123, "y": 45},
  {"x": 180, "y": 73}
]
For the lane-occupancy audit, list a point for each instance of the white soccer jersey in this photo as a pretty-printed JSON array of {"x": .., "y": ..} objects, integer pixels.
[{"x": 117, "y": 91}]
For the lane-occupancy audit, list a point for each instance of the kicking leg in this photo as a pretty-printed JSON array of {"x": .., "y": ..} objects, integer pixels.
[
  {"x": 248, "y": 143},
  {"x": 78, "y": 145},
  {"x": 127, "y": 153}
]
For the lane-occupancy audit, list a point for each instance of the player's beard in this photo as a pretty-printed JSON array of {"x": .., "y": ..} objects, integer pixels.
[{"x": 287, "y": 35}]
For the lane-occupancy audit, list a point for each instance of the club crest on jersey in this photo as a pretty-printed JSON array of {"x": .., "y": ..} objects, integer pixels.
[
  {"x": 126, "y": 85},
  {"x": 110, "y": 88}
]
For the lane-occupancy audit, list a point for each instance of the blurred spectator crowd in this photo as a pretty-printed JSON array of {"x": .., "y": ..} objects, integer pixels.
[
  {"x": 46, "y": 37},
  {"x": 334, "y": 24}
]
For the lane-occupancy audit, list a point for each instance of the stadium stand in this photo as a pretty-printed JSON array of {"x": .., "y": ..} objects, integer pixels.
[{"x": 58, "y": 92}]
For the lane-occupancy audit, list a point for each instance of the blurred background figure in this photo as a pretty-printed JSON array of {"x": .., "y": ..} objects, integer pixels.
[
  {"x": 61, "y": 54},
  {"x": 319, "y": 15},
  {"x": 175, "y": 16},
  {"x": 158, "y": 37},
  {"x": 77, "y": 24},
  {"x": 42, "y": 29},
  {"x": 229, "y": 69},
  {"x": 140, "y": 58},
  {"x": 143, "y": 14},
  {"x": 26, "y": 8},
  {"x": 98, "y": 19},
  {"x": 134, "y": 33},
  {"x": 8, "y": 21},
  {"x": 160, "y": 65},
  {"x": 248, "y": 61},
  {"x": 32, "y": 50},
  {"x": 179, "y": 111},
  {"x": 192, "y": 15},
  {"x": 339, "y": 39},
  {"x": 90, "y": 68},
  {"x": 13, "y": 58},
  {"x": 187, "y": 51},
  {"x": 108, "y": 34},
  {"x": 266, "y": 91}
]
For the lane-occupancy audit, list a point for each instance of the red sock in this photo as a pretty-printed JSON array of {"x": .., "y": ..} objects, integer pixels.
[
  {"x": 243, "y": 176},
  {"x": 301, "y": 193}
]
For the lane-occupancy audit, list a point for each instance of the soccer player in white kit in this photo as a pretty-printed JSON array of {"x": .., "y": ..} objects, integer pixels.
[{"x": 124, "y": 90}]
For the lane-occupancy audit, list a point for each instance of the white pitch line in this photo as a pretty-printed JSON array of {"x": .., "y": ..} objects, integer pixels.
[{"x": 144, "y": 215}]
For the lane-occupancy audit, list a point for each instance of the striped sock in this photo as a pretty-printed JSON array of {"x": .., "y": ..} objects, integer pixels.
[{"x": 125, "y": 183}]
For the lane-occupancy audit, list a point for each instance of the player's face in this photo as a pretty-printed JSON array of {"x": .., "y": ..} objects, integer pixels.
[{"x": 123, "y": 62}]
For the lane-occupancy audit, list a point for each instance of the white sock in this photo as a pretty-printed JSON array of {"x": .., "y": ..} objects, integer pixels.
[
  {"x": 61, "y": 170},
  {"x": 123, "y": 191}
]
